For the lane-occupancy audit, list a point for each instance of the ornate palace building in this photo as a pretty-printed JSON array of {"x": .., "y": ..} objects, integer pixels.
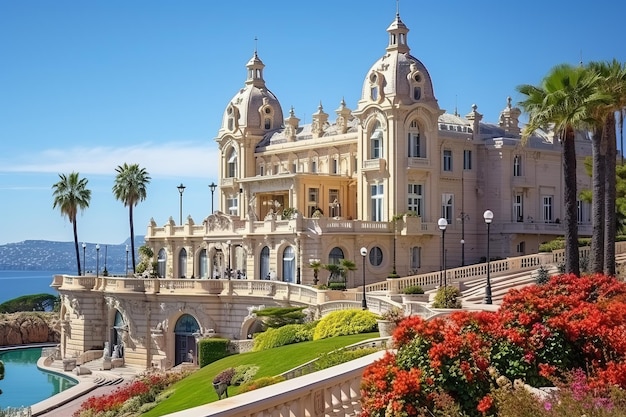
[{"x": 374, "y": 179}]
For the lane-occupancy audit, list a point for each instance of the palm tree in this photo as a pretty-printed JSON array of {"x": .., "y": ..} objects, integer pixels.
[
  {"x": 130, "y": 188},
  {"x": 345, "y": 266},
  {"x": 315, "y": 265},
  {"x": 611, "y": 87},
  {"x": 70, "y": 195},
  {"x": 561, "y": 102}
]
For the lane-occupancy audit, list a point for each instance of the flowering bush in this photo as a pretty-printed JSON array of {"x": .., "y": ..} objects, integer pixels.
[
  {"x": 142, "y": 390},
  {"x": 539, "y": 334},
  {"x": 224, "y": 377}
]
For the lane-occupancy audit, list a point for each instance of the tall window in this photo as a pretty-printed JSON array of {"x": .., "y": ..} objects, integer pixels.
[
  {"x": 447, "y": 206},
  {"x": 547, "y": 208},
  {"x": 517, "y": 166},
  {"x": 467, "y": 159},
  {"x": 376, "y": 142},
  {"x": 335, "y": 256},
  {"x": 334, "y": 205},
  {"x": 289, "y": 265},
  {"x": 416, "y": 258},
  {"x": 231, "y": 167},
  {"x": 416, "y": 199},
  {"x": 182, "y": 263},
  {"x": 232, "y": 203},
  {"x": 264, "y": 265},
  {"x": 447, "y": 160},
  {"x": 414, "y": 140},
  {"x": 161, "y": 260},
  {"x": 518, "y": 207},
  {"x": 313, "y": 201},
  {"x": 377, "y": 192},
  {"x": 313, "y": 167},
  {"x": 334, "y": 166},
  {"x": 203, "y": 267}
]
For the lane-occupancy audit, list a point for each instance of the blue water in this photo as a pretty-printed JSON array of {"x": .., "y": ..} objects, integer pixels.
[
  {"x": 24, "y": 384},
  {"x": 14, "y": 284}
]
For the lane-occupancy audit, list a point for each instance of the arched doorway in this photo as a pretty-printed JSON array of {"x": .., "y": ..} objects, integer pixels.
[
  {"x": 185, "y": 342},
  {"x": 116, "y": 336}
]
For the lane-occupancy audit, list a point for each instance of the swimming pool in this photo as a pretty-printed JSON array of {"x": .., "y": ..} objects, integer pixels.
[{"x": 24, "y": 384}]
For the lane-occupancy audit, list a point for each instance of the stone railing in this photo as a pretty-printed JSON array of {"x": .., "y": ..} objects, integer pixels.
[{"x": 330, "y": 392}]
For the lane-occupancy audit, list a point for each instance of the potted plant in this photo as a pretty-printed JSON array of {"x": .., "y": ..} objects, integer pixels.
[
  {"x": 414, "y": 293},
  {"x": 222, "y": 381},
  {"x": 389, "y": 321}
]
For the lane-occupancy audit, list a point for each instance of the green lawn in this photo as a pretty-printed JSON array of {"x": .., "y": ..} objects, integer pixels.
[{"x": 197, "y": 388}]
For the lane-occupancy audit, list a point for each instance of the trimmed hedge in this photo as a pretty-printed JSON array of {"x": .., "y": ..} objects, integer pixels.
[
  {"x": 345, "y": 322},
  {"x": 286, "y": 335},
  {"x": 211, "y": 350}
]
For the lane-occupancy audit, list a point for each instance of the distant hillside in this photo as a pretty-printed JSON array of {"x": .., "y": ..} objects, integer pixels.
[{"x": 45, "y": 255}]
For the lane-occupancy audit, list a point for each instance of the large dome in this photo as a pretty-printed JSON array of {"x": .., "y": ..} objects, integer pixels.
[
  {"x": 254, "y": 106},
  {"x": 397, "y": 75}
]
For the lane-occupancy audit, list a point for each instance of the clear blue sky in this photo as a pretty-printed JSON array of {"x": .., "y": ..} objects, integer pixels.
[{"x": 88, "y": 85}]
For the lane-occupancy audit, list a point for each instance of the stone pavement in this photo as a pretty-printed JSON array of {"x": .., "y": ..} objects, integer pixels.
[{"x": 93, "y": 381}]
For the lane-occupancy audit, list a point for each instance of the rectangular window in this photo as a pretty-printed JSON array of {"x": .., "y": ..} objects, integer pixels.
[
  {"x": 521, "y": 248},
  {"x": 467, "y": 159},
  {"x": 447, "y": 160},
  {"x": 261, "y": 170},
  {"x": 547, "y": 208},
  {"x": 294, "y": 167},
  {"x": 416, "y": 199},
  {"x": 414, "y": 145},
  {"x": 517, "y": 166},
  {"x": 447, "y": 206},
  {"x": 377, "y": 191},
  {"x": 312, "y": 203},
  {"x": 416, "y": 259},
  {"x": 518, "y": 207},
  {"x": 334, "y": 166},
  {"x": 233, "y": 205},
  {"x": 314, "y": 166},
  {"x": 333, "y": 203}
]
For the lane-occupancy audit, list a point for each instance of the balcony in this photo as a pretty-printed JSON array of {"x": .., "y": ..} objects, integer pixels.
[{"x": 379, "y": 165}]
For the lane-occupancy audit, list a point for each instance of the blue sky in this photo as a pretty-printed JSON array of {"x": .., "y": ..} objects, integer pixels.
[{"x": 87, "y": 86}]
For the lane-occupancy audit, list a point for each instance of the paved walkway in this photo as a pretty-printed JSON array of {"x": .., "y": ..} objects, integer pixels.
[{"x": 93, "y": 382}]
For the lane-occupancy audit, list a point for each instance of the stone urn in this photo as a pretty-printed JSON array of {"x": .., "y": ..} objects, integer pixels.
[{"x": 386, "y": 327}]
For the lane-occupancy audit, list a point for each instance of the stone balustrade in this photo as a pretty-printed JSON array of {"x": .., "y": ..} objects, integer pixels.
[{"x": 331, "y": 392}]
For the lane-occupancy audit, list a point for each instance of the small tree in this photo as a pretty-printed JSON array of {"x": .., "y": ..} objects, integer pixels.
[{"x": 315, "y": 265}]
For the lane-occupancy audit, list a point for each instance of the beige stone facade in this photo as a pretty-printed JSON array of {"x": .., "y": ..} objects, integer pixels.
[{"x": 378, "y": 177}]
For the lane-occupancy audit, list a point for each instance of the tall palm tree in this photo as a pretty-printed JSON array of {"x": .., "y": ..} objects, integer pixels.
[
  {"x": 561, "y": 103},
  {"x": 70, "y": 195},
  {"x": 130, "y": 188}
]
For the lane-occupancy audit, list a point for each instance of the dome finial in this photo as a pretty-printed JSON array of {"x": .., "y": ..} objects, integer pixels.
[
  {"x": 256, "y": 45},
  {"x": 398, "y": 8}
]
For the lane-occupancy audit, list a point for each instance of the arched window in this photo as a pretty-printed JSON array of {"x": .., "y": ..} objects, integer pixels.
[
  {"x": 289, "y": 264},
  {"x": 182, "y": 263},
  {"x": 203, "y": 270},
  {"x": 413, "y": 141},
  {"x": 264, "y": 265},
  {"x": 376, "y": 142},
  {"x": 161, "y": 261},
  {"x": 231, "y": 167},
  {"x": 335, "y": 256}
]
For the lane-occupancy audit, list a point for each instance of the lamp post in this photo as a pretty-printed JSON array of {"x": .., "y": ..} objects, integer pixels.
[
  {"x": 212, "y": 186},
  {"x": 106, "y": 249},
  {"x": 488, "y": 216},
  {"x": 126, "y": 272},
  {"x": 181, "y": 189},
  {"x": 228, "y": 262},
  {"x": 463, "y": 215},
  {"x": 97, "y": 260},
  {"x": 363, "y": 254},
  {"x": 442, "y": 224},
  {"x": 84, "y": 266}
]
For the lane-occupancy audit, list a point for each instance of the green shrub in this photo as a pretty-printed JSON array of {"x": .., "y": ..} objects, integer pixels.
[
  {"x": 286, "y": 335},
  {"x": 542, "y": 275},
  {"x": 337, "y": 286},
  {"x": 413, "y": 289},
  {"x": 341, "y": 356},
  {"x": 446, "y": 297},
  {"x": 211, "y": 350},
  {"x": 559, "y": 243},
  {"x": 275, "y": 317},
  {"x": 345, "y": 322},
  {"x": 261, "y": 382},
  {"x": 244, "y": 374}
]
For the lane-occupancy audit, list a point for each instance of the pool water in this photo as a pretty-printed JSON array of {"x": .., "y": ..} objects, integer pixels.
[{"x": 24, "y": 384}]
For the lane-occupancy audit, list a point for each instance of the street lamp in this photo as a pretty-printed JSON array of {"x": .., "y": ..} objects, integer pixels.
[
  {"x": 181, "y": 189},
  {"x": 97, "y": 260},
  {"x": 363, "y": 254},
  {"x": 228, "y": 267},
  {"x": 212, "y": 186},
  {"x": 488, "y": 216},
  {"x": 84, "y": 265},
  {"x": 126, "y": 273},
  {"x": 442, "y": 224}
]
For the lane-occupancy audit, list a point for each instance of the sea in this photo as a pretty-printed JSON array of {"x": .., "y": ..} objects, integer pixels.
[{"x": 14, "y": 284}]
